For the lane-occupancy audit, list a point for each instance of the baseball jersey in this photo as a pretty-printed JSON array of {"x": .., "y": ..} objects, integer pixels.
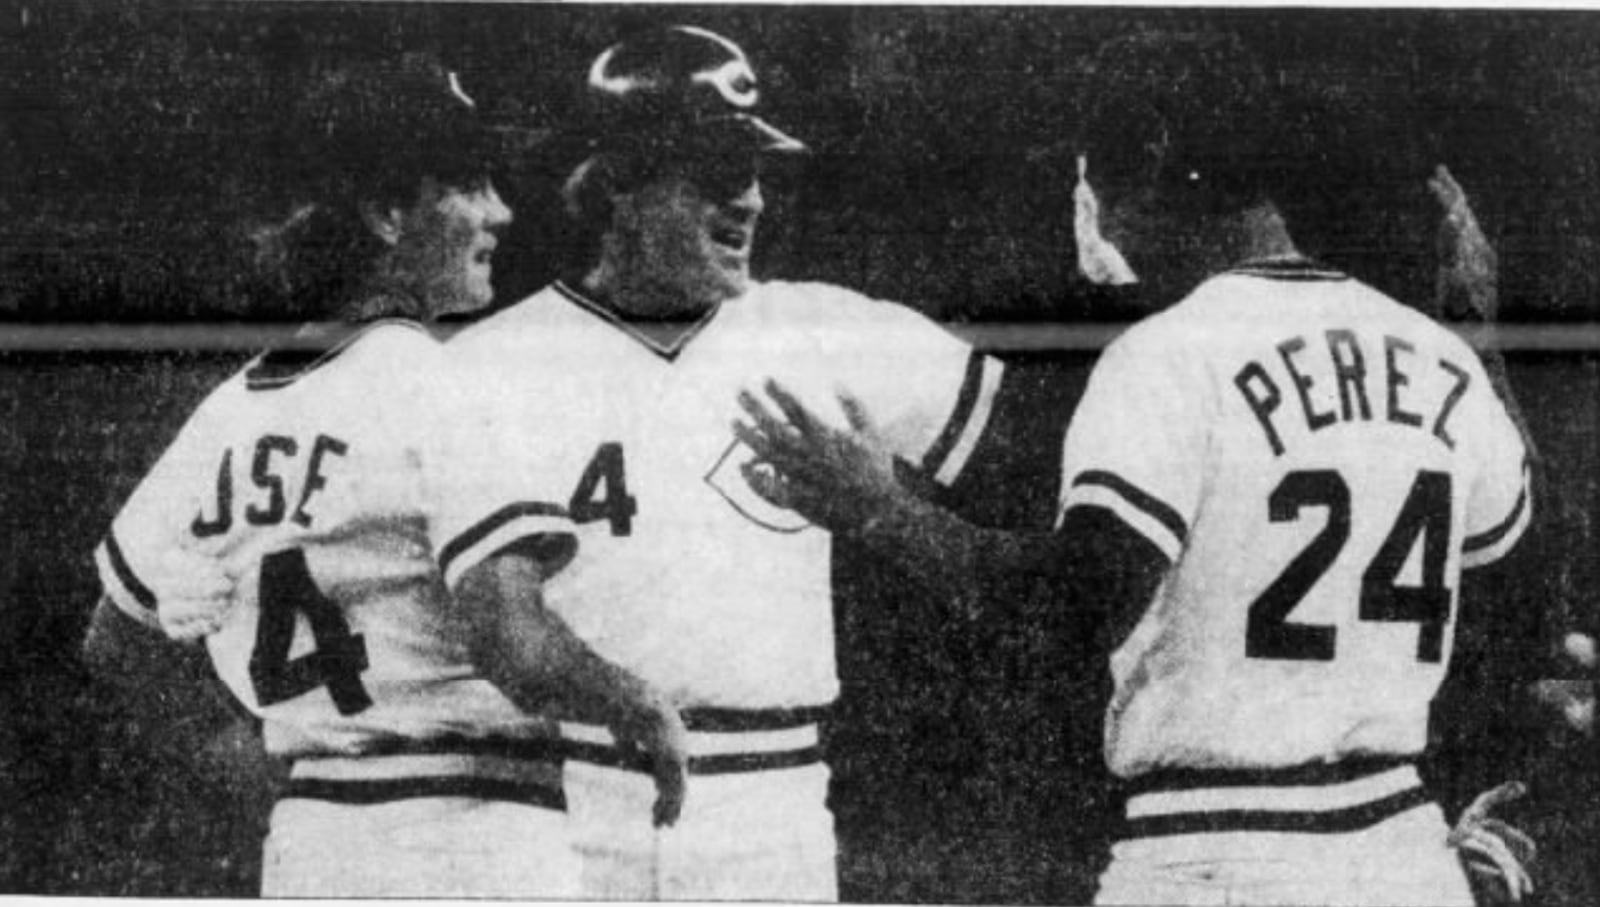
[
  {"x": 1319, "y": 463},
  {"x": 306, "y": 475},
  {"x": 684, "y": 575}
]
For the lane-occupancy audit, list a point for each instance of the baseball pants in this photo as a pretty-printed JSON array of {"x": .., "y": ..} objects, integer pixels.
[
  {"x": 421, "y": 826},
  {"x": 755, "y": 824},
  {"x": 1368, "y": 838}
]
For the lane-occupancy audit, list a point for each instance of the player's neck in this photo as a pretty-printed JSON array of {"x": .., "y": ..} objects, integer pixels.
[
  {"x": 381, "y": 298},
  {"x": 1262, "y": 235},
  {"x": 641, "y": 301}
]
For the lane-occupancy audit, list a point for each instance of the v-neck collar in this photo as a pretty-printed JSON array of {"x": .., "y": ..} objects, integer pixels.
[{"x": 640, "y": 331}]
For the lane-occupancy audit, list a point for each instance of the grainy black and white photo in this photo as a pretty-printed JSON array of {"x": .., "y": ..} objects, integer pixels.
[{"x": 799, "y": 453}]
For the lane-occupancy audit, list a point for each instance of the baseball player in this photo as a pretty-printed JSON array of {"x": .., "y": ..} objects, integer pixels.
[
  {"x": 686, "y": 576},
  {"x": 1276, "y": 485},
  {"x": 420, "y": 767}
]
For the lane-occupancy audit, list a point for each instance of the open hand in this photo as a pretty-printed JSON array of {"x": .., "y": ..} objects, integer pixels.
[{"x": 835, "y": 478}]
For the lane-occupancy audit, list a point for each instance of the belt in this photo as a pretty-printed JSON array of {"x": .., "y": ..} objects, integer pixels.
[
  {"x": 1329, "y": 798},
  {"x": 516, "y": 771},
  {"x": 721, "y": 741}
]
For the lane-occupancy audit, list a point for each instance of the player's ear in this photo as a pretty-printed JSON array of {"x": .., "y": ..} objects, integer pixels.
[
  {"x": 383, "y": 221},
  {"x": 591, "y": 191}
]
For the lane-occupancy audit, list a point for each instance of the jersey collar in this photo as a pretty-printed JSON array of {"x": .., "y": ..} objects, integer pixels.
[
  {"x": 1287, "y": 267},
  {"x": 665, "y": 339},
  {"x": 312, "y": 347}
]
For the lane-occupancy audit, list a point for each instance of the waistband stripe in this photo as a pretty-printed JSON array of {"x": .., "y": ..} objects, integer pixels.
[
  {"x": 1334, "y": 821},
  {"x": 425, "y": 765},
  {"x": 702, "y": 743},
  {"x": 634, "y": 760},
  {"x": 389, "y": 790},
  {"x": 1306, "y": 798},
  {"x": 1322, "y": 773},
  {"x": 531, "y": 749},
  {"x": 722, "y": 720}
]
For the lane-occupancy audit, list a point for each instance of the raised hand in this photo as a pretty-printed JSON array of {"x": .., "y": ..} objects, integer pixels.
[
  {"x": 1098, "y": 259},
  {"x": 1467, "y": 286},
  {"x": 835, "y": 478}
]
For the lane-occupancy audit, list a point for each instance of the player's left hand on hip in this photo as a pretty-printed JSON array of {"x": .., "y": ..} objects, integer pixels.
[
  {"x": 1468, "y": 280},
  {"x": 196, "y": 594},
  {"x": 1498, "y": 856},
  {"x": 837, "y": 478}
]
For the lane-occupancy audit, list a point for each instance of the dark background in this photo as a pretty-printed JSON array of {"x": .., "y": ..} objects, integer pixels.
[{"x": 136, "y": 148}]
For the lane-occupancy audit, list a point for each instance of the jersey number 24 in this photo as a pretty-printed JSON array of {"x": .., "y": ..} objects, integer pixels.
[{"x": 1426, "y": 514}]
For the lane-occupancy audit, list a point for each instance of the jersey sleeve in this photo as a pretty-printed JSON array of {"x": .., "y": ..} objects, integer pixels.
[
  {"x": 150, "y": 545},
  {"x": 497, "y": 471},
  {"x": 1500, "y": 502},
  {"x": 1136, "y": 443},
  {"x": 930, "y": 391}
]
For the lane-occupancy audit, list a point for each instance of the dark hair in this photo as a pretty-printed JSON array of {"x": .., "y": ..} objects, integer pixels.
[
  {"x": 365, "y": 133},
  {"x": 1190, "y": 114}
]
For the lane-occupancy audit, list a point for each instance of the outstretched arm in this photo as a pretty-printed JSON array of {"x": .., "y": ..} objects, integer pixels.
[
  {"x": 1090, "y": 569},
  {"x": 531, "y": 654}
]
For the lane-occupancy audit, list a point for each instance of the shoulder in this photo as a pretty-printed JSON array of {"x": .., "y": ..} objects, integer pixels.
[
  {"x": 517, "y": 318},
  {"x": 395, "y": 337},
  {"x": 825, "y": 305}
]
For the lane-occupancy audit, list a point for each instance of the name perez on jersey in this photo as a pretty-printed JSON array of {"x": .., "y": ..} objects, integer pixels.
[
  {"x": 276, "y": 458},
  {"x": 1340, "y": 360}
]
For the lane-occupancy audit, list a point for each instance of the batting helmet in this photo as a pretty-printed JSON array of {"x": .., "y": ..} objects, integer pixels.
[{"x": 681, "y": 88}]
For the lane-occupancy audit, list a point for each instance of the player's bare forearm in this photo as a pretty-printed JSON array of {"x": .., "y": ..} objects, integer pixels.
[
  {"x": 1094, "y": 568},
  {"x": 948, "y": 555},
  {"x": 531, "y": 655},
  {"x": 530, "y": 652}
]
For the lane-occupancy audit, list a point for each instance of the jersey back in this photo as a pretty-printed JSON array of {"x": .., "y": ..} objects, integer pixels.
[
  {"x": 684, "y": 574},
  {"x": 1320, "y": 463},
  {"x": 306, "y": 481}
]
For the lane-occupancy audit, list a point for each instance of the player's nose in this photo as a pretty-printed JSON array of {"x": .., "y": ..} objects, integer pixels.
[
  {"x": 750, "y": 202},
  {"x": 492, "y": 209}
]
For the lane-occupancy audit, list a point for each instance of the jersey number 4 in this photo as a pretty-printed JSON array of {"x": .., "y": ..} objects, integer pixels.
[
  {"x": 286, "y": 589},
  {"x": 1426, "y": 514},
  {"x": 609, "y": 471}
]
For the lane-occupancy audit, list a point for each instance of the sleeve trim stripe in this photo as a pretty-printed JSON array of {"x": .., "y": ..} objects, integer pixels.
[
  {"x": 1140, "y": 499},
  {"x": 545, "y": 517},
  {"x": 533, "y": 530},
  {"x": 1488, "y": 547},
  {"x": 974, "y": 405},
  {"x": 1140, "y": 521},
  {"x": 1493, "y": 536},
  {"x": 125, "y": 575}
]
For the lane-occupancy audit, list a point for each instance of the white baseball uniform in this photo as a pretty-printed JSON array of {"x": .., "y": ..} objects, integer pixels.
[
  {"x": 306, "y": 474},
  {"x": 1319, "y": 463},
  {"x": 690, "y": 580}
]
